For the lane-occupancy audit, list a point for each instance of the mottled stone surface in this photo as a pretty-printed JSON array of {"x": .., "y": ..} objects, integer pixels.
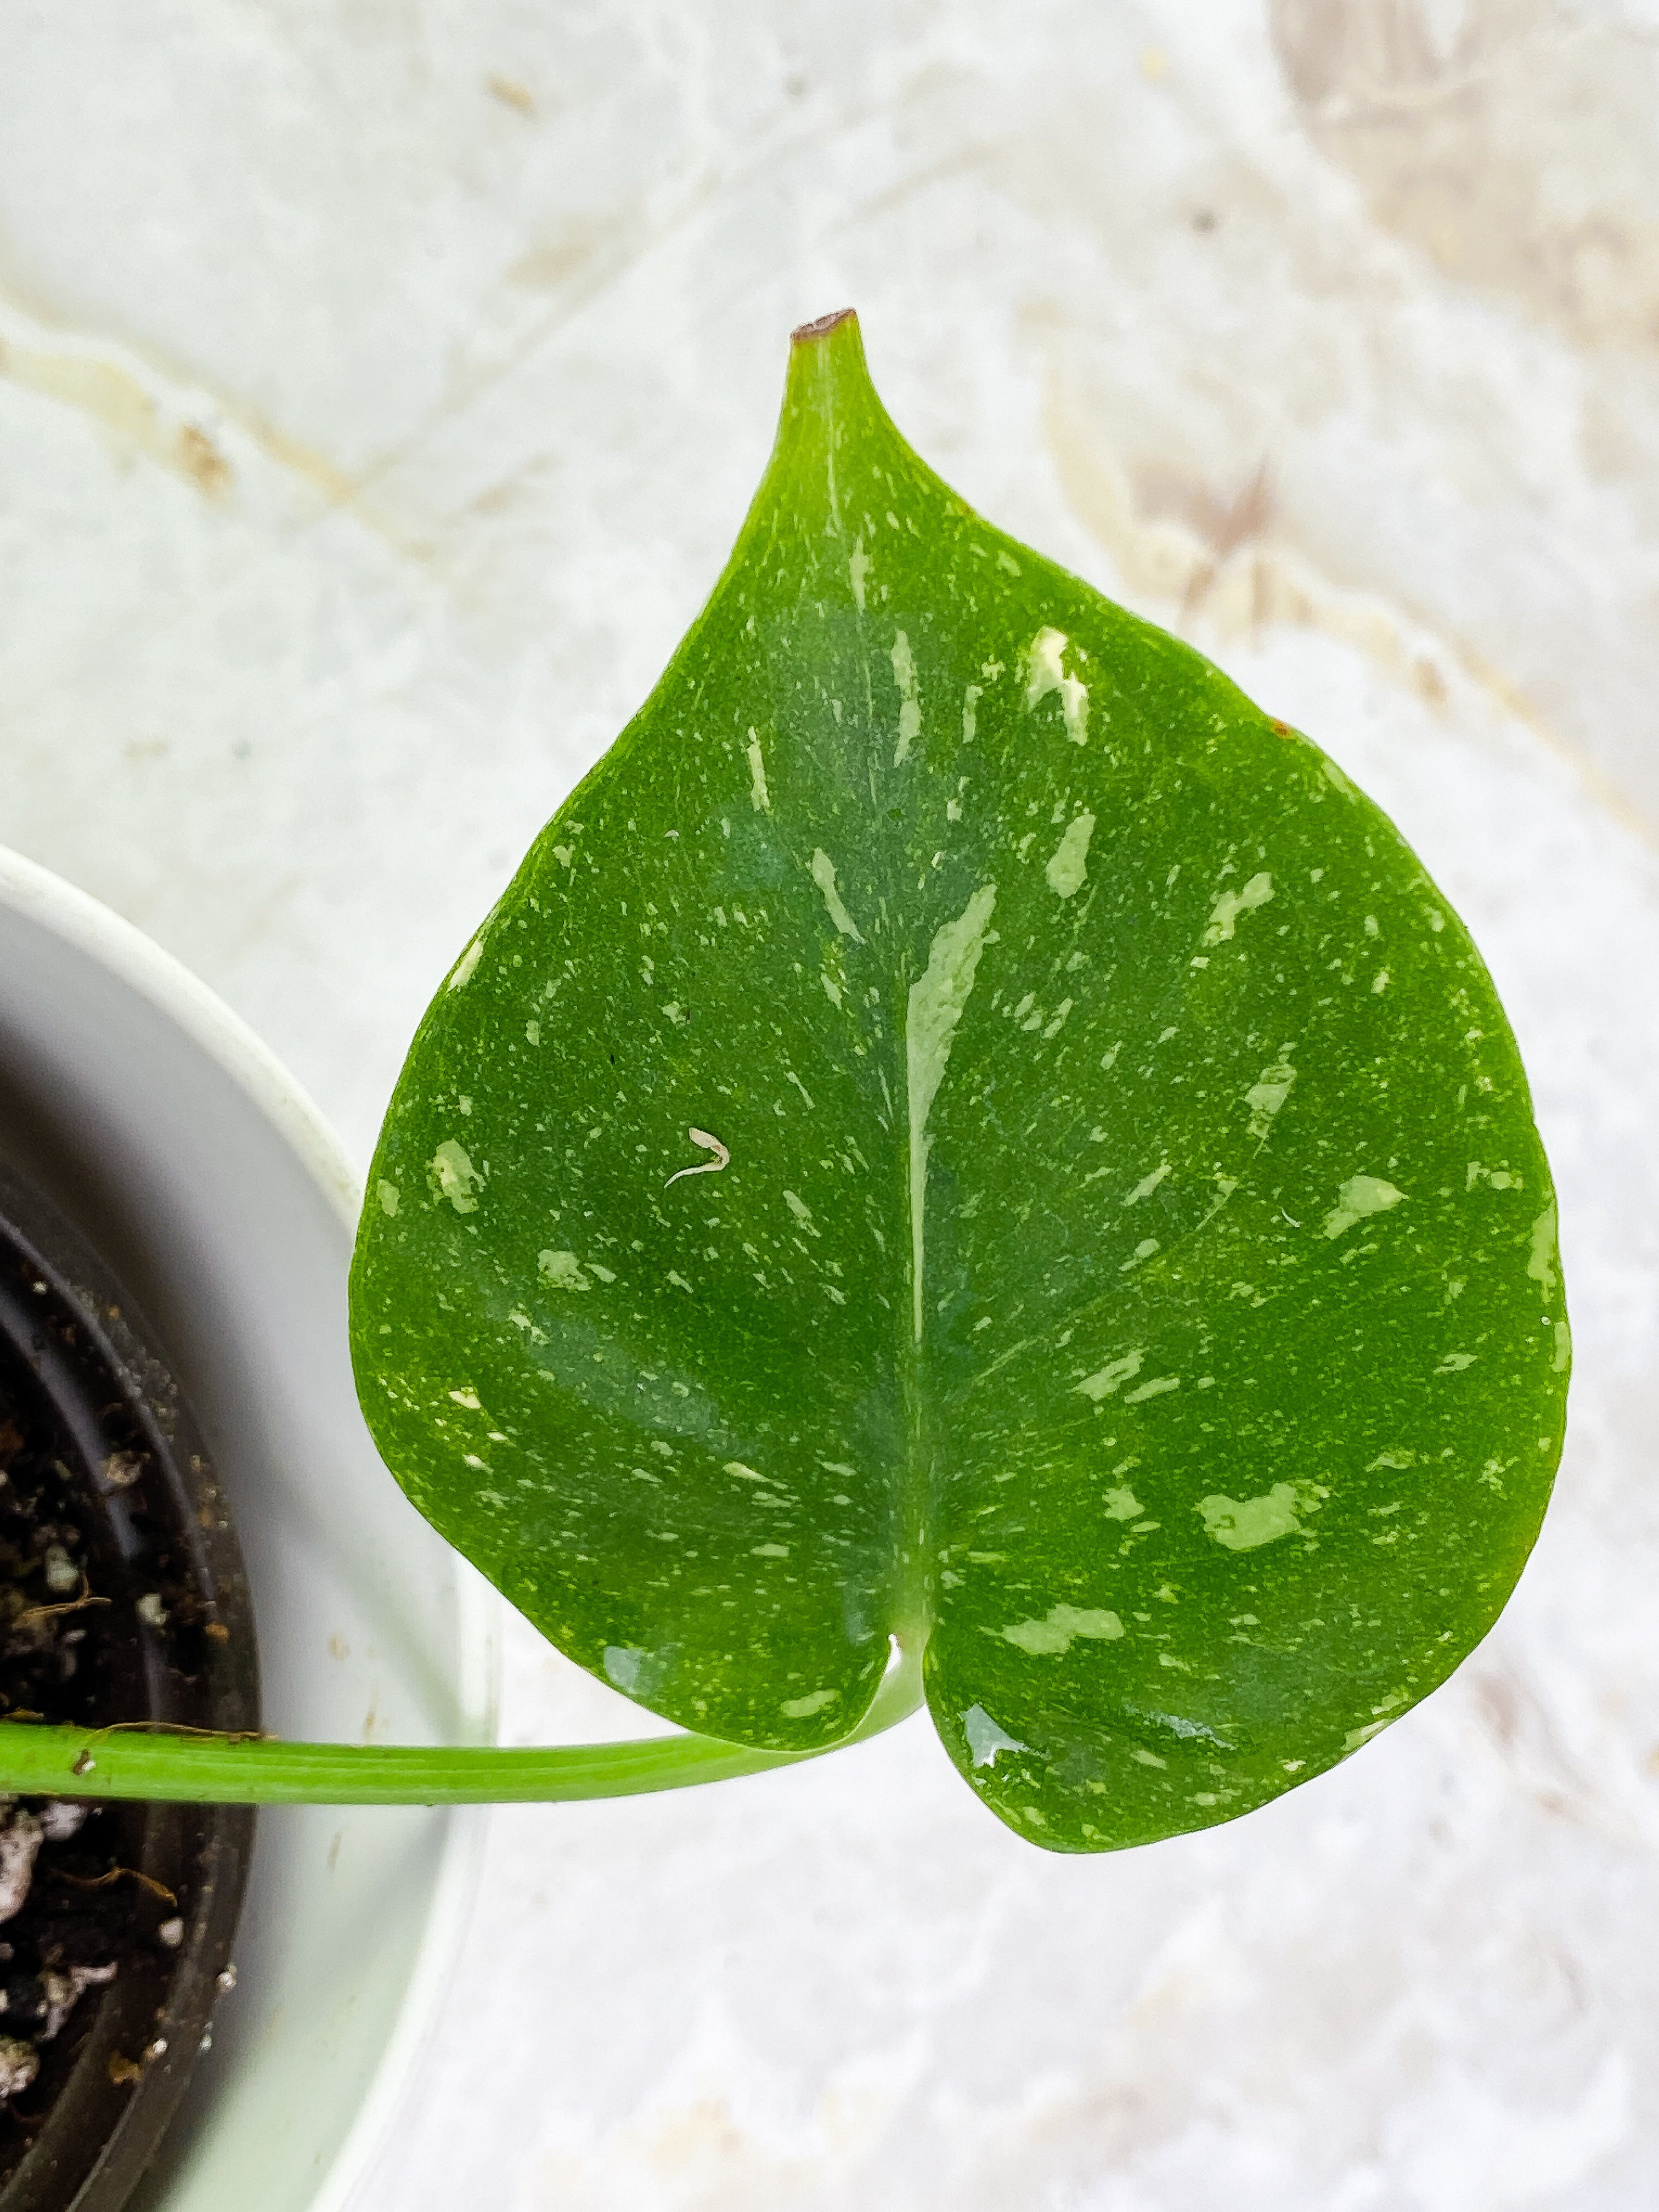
[{"x": 380, "y": 388}]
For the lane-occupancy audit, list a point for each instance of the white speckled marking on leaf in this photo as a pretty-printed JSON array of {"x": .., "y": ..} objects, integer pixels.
[
  {"x": 1059, "y": 1627},
  {"x": 1046, "y": 674},
  {"x": 1223, "y": 916},
  {"x": 759, "y": 798},
  {"x": 456, "y": 1176},
  {"x": 904, "y": 675},
  {"x": 1110, "y": 1379},
  {"x": 1068, "y": 863},
  {"x": 1242, "y": 1524},
  {"x": 933, "y": 1010},
  {"x": 824, "y": 875},
  {"x": 1359, "y": 1196}
]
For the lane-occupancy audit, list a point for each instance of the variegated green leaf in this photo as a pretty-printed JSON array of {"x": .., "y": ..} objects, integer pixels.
[{"x": 964, "y": 1130}]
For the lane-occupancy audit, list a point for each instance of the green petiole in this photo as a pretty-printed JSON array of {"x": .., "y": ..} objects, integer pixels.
[{"x": 163, "y": 1766}]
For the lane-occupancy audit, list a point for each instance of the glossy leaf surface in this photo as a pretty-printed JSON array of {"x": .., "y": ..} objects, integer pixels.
[{"x": 964, "y": 1130}]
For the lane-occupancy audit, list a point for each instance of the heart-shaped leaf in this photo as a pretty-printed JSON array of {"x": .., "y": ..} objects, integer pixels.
[{"x": 964, "y": 1130}]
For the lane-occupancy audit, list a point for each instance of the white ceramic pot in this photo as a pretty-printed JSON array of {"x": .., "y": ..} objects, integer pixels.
[{"x": 214, "y": 1189}]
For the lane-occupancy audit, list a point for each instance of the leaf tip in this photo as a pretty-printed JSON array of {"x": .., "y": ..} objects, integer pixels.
[
  {"x": 826, "y": 367},
  {"x": 821, "y": 326}
]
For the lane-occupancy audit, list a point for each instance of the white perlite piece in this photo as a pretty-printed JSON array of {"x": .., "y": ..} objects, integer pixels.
[
  {"x": 63, "y": 1990},
  {"x": 19, "y": 2064},
  {"x": 60, "y": 1819},
  {"x": 19, "y": 1846}
]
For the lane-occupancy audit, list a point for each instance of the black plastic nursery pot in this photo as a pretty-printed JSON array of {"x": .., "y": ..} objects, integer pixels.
[{"x": 122, "y": 1601}]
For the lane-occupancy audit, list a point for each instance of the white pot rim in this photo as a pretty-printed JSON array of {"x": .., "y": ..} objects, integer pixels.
[
  {"x": 121, "y": 947},
  {"x": 36, "y": 894}
]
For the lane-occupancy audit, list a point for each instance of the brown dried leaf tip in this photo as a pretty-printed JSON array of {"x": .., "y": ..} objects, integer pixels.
[{"x": 819, "y": 328}]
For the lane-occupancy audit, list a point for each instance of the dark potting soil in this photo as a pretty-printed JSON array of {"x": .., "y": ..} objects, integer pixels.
[
  {"x": 124, "y": 1602},
  {"x": 73, "y": 1912}
]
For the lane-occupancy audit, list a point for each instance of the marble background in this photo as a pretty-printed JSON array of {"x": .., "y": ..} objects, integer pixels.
[{"x": 380, "y": 388}]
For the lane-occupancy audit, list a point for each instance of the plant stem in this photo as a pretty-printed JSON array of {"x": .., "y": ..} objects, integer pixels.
[{"x": 162, "y": 1766}]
